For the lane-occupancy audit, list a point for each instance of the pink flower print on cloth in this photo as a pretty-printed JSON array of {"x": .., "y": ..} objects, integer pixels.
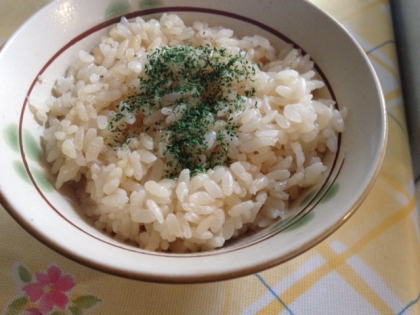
[
  {"x": 32, "y": 311},
  {"x": 49, "y": 293},
  {"x": 50, "y": 289}
]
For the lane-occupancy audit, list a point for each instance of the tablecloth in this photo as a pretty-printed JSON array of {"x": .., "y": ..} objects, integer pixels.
[{"x": 371, "y": 265}]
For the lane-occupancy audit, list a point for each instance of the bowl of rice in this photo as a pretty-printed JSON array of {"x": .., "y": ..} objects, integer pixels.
[{"x": 186, "y": 141}]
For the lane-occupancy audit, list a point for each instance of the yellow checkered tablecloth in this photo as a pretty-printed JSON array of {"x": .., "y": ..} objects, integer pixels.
[{"x": 369, "y": 266}]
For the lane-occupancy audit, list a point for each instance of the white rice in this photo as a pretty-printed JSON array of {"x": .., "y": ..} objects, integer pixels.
[{"x": 278, "y": 150}]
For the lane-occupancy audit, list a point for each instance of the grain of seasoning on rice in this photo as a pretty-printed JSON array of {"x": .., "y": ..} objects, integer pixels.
[{"x": 179, "y": 138}]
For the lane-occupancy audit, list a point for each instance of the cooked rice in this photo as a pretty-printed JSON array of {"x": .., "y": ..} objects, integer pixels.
[{"x": 284, "y": 133}]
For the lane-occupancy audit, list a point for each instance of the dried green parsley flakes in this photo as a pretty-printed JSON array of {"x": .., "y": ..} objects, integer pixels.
[{"x": 201, "y": 89}]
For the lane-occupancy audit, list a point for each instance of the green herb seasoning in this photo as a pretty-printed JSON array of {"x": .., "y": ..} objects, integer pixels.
[{"x": 201, "y": 88}]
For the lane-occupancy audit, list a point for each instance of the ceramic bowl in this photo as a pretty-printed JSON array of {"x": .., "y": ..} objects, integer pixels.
[{"x": 47, "y": 43}]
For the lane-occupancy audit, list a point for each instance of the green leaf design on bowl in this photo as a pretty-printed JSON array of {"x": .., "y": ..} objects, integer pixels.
[
  {"x": 332, "y": 191},
  {"x": 32, "y": 148},
  {"x": 280, "y": 225},
  {"x": 145, "y": 4},
  {"x": 21, "y": 171},
  {"x": 42, "y": 180},
  {"x": 33, "y": 152},
  {"x": 307, "y": 199},
  {"x": 301, "y": 222},
  {"x": 11, "y": 136},
  {"x": 326, "y": 194},
  {"x": 117, "y": 8}
]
